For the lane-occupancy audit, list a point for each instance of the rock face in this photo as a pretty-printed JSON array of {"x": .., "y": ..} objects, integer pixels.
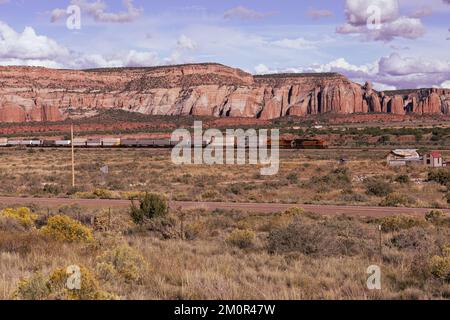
[{"x": 30, "y": 94}]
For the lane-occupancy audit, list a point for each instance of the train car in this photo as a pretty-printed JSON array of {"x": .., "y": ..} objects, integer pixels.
[
  {"x": 14, "y": 142},
  {"x": 79, "y": 142},
  {"x": 94, "y": 143},
  {"x": 111, "y": 142},
  {"x": 128, "y": 143},
  {"x": 63, "y": 143},
  {"x": 48, "y": 143},
  {"x": 142, "y": 143},
  {"x": 162, "y": 143},
  {"x": 309, "y": 144},
  {"x": 35, "y": 143},
  {"x": 3, "y": 142}
]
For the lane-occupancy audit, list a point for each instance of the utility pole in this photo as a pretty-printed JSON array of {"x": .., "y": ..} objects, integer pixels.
[
  {"x": 380, "y": 229},
  {"x": 73, "y": 156}
]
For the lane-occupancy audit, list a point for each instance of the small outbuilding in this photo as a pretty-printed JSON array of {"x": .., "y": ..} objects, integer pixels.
[
  {"x": 433, "y": 160},
  {"x": 403, "y": 157}
]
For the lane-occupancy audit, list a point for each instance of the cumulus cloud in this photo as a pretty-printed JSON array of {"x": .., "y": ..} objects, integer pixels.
[
  {"x": 30, "y": 49},
  {"x": 387, "y": 73},
  {"x": 183, "y": 46},
  {"x": 244, "y": 13},
  {"x": 97, "y": 10},
  {"x": 262, "y": 69},
  {"x": 28, "y": 45},
  {"x": 361, "y": 13},
  {"x": 185, "y": 42},
  {"x": 397, "y": 65}
]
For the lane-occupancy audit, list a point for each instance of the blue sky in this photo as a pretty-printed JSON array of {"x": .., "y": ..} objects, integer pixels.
[{"x": 410, "y": 48}]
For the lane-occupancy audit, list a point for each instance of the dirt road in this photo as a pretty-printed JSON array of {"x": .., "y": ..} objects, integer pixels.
[{"x": 250, "y": 207}]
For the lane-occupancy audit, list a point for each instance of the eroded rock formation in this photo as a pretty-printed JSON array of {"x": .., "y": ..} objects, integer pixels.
[{"x": 38, "y": 94}]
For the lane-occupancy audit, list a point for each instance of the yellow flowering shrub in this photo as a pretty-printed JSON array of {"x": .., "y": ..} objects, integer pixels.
[
  {"x": 23, "y": 215},
  {"x": 123, "y": 262},
  {"x": 54, "y": 287},
  {"x": 440, "y": 267},
  {"x": 64, "y": 228},
  {"x": 34, "y": 288},
  {"x": 90, "y": 288}
]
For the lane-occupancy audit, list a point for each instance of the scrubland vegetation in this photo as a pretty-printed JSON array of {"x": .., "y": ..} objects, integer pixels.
[
  {"x": 219, "y": 255},
  {"x": 305, "y": 177},
  {"x": 151, "y": 252}
]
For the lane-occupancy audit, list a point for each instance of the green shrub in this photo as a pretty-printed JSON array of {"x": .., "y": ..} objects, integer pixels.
[
  {"x": 34, "y": 288},
  {"x": 338, "y": 178},
  {"x": 63, "y": 228},
  {"x": 151, "y": 206},
  {"x": 441, "y": 176},
  {"x": 403, "y": 178},
  {"x": 397, "y": 223},
  {"x": 354, "y": 197},
  {"x": 397, "y": 200},
  {"x": 378, "y": 187},
  {"x": 102, "y": 194},
  {"x": 435, "y": 216},
  {"x": 242, "y": 239},
  {"x": 321, "y": 238},
  {"x": 292, "y": 178}
]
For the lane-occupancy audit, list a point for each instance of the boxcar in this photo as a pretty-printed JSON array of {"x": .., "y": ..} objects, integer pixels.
[
  {"x": 128, "y": 143},
  {"x": 162, "y": 143},
  {"x": 3, "y": 142},
  {"x": 145, "y": 143},
  {"x": 94, "y": 143},
  {"x": 14, "y": 142},
  {"x": 48, "y": 143},
  {"x": 79, "y": 142},
  {"x": 63, "y": 143},
  {"x": 111, "y": 142}
]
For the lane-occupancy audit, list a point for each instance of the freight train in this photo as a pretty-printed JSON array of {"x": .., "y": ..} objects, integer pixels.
[{"x": 140, "y": 143}]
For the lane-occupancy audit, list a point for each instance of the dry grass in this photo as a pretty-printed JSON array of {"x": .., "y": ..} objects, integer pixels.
[
  {"x": 302, "y": 178},
  {"x": 162, "y": 262}
]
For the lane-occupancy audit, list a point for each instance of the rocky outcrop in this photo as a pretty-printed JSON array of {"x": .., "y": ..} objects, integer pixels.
[{"x": 37, "y": 94}]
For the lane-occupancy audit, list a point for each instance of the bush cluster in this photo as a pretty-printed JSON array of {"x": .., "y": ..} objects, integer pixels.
[
  {"x": 121, "y": 262},
  {"x": 63, "y": 228},
  {"x": 54, "y": 287},
  {"x": 242, "y": 239},
  {"x": 151, "y": 206},
  {"x": 23, "y": 216}
]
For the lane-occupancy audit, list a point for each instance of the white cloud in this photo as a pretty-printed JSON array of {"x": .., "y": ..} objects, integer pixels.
[
  {"x": 397, "y": 65},
  {"x": 392, "y": 25},
  {"x": 383, "y": 87},
  {"x": 97, "y": 10},
  {"x": 387, "y": 73},
  {"x": 445, "y": 84},
  {"x": 262, "y": 69},
  {"x": 185, "y": 42},
  {"x": 28, "y": 45}
]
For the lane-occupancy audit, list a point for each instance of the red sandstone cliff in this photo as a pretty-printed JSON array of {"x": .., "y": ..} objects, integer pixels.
[{"x": 39, "y": 94}]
